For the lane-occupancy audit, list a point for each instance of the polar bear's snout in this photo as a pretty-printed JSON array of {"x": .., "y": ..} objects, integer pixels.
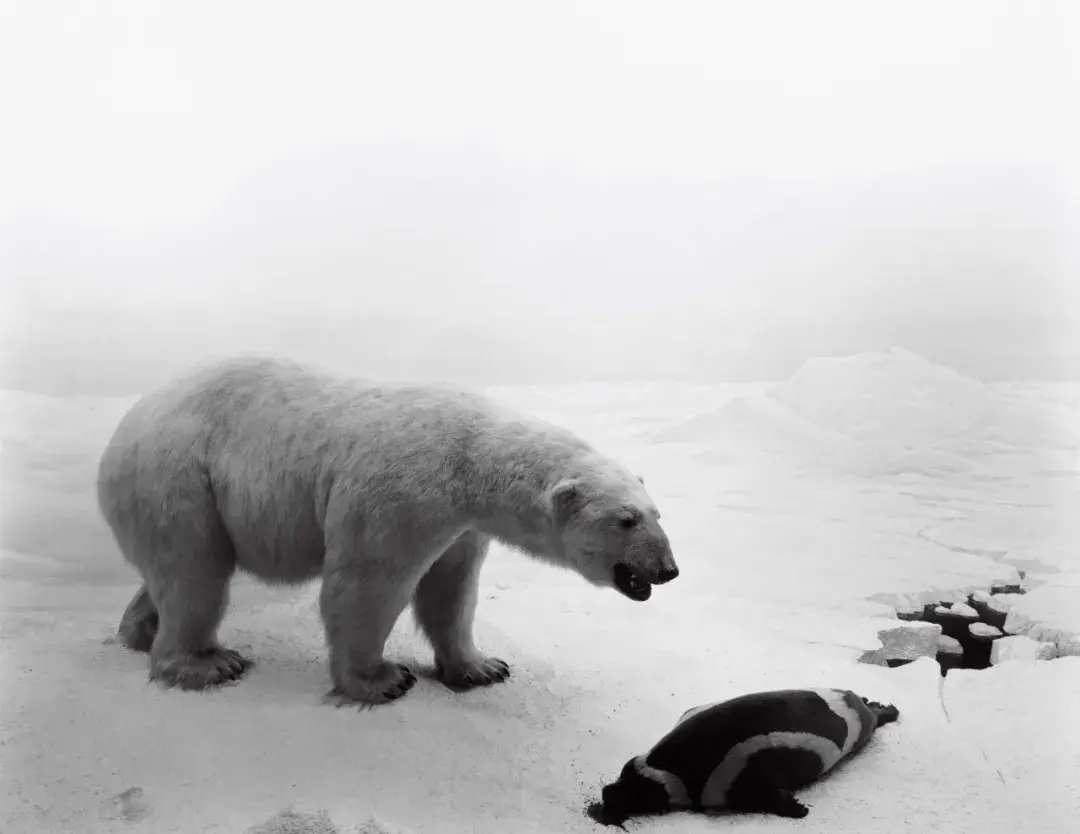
[
  {"x": 663, "y": 569},
  {"x": 662, "y": 564},
  {"x": 667, "y": 574},
  {"x": 645, "y": 565}
]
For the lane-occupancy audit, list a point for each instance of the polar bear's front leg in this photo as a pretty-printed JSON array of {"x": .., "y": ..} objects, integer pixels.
[
  {"x": 444, "y": 604},
  {"x": 359, "y": 609}
]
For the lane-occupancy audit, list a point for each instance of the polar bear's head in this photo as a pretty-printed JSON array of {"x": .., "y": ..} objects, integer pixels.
[{"x": 607, "y": 529}]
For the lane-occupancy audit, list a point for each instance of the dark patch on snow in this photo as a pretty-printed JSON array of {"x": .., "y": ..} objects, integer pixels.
[
  {"x": 294, "y": 822},
  {"x": 127, "y": 807}
]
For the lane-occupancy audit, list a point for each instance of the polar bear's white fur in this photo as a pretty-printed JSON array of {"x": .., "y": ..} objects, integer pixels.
[{"x": 390, "y": 493}]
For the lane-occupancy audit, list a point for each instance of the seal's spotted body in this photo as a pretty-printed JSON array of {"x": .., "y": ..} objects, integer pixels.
[{"x": 746, "y": 754}]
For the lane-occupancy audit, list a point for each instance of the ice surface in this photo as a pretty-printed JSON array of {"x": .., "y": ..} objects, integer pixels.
[
  {"x": 1020, "y": 647},
  {"x": 1053, "y": 604},
  {"x": 949, "y": 645},
  {"x": 906, "y": 641},
  {"x": 1000, "y": 603},
  {"x": 1037, "y": 766},
  {"x": 800, "y": 514}
]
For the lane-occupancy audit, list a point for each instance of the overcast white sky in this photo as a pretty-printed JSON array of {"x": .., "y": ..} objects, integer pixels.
[{"x": 649, "y": 183}]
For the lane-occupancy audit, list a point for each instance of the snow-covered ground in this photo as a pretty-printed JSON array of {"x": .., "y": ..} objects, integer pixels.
[{"x": 796, "y": 511}]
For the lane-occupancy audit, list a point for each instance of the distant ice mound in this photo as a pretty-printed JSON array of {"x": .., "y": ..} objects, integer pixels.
[
  {"x": 58, "y": 426},
  {"x": 901, "y": 396},
  {"x": 883, "y": 413}
]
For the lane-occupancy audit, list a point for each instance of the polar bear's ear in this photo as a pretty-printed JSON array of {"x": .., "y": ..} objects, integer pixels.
[{"x": 567, "y": 498}]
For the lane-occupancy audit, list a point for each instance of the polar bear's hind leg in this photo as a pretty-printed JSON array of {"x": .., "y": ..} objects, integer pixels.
[
  {"x": 187, "y": 582},
  {"x": 139, "y": 625}
]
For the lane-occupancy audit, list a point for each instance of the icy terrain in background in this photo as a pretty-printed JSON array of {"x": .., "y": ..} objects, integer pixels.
[{"x": 789, "y": 507}]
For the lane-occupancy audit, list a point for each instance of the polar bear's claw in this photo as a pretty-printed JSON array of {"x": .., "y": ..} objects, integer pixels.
[{"x": 480, "y": 671}]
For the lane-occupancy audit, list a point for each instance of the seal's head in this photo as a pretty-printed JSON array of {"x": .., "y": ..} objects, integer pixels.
[{"x": 632, "y": 794}]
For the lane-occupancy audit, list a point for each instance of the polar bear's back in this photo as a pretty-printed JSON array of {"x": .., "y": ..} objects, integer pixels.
[
  {"x": 274, "y": 402},
  {"x": 267, "y": 442}
]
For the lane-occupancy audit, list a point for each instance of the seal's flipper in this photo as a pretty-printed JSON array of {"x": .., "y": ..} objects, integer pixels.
[
  {"x": 885, "y": 713},
  {"x": 600, "y": 813},
  {"x": 766, "y": 799},
  {"x": 788, "y": 806}
]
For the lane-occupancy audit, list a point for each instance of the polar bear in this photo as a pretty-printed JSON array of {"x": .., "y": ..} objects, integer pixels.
[{"x": 390, "y": 493}]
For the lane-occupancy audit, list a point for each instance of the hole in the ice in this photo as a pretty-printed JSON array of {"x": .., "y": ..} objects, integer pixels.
[{"x": 968, "y": 630}]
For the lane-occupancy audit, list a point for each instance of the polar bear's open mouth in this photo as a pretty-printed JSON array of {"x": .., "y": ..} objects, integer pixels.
[{"x": 632, "y": 583}]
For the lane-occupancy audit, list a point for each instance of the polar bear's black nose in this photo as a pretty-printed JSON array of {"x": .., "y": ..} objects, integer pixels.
[{"x": 666, "y": 575}]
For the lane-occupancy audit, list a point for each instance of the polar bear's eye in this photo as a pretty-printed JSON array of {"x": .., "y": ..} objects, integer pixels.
[{"x": 629, "y": 518}]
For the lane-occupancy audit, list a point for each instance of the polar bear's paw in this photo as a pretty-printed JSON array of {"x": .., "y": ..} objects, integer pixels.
[
  {"x": 471, "y": 673},
  {"x": 388, "y": 683},
  {"x": 208, "y": 668}
]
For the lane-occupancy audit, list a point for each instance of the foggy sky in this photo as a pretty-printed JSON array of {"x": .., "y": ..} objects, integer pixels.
[{"x": 502, "y": 192}]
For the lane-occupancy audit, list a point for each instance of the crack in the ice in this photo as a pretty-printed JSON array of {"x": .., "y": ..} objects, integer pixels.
[
  {"x": 818, "y": 642},
  {"x": 941, "y": 699},
  {"x": 948, "y": 719},
  {"x": 993, "y": 555}
]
